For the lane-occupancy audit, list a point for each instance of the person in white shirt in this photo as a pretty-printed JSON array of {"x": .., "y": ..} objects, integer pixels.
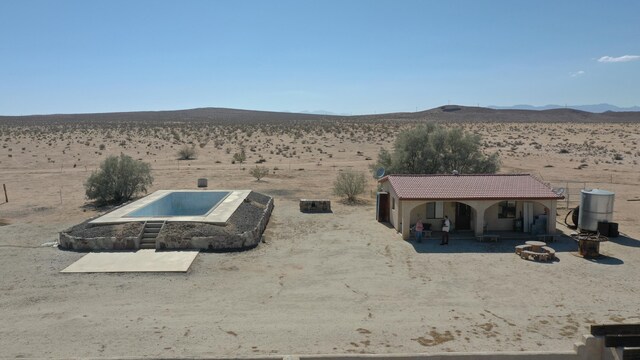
[{"x": 446, "y": 225}]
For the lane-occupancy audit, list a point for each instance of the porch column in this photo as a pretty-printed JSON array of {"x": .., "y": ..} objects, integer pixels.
[
  {"x": 479, "y": 223},
  {"x": 406, "y": 221},
  {"x": 551, "y": 218}
]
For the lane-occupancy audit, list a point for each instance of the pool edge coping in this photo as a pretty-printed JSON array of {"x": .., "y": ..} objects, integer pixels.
[{"x": 218, "y": 216}]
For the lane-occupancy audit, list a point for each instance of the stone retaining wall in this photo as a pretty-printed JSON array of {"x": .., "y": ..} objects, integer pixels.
[
  {"x": 70, "y": 242},
  {"x": 245, "y": 240}
]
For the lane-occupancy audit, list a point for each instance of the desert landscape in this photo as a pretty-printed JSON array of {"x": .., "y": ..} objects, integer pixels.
[{"x": 319, "y": 283}]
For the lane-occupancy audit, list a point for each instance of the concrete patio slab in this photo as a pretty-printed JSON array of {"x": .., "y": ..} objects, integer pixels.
[{"x": 144, "y": 260}]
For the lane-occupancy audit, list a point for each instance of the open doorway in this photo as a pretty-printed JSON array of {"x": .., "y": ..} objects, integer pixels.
[{"x": 463, "y": 217}]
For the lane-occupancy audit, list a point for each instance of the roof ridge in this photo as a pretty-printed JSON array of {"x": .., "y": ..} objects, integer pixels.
[{"x": 434, "y": 175}]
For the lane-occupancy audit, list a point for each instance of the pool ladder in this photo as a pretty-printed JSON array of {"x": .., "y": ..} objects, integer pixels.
[{"x": 150, "y": 233}]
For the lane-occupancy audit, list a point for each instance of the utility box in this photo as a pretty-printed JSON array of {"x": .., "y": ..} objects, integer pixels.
[{"x": 315, "y": 205}]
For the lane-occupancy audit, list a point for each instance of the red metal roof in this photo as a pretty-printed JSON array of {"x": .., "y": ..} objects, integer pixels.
[{"x": 470, "y": 187}]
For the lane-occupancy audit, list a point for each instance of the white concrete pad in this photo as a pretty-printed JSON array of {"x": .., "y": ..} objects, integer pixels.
[{"x": 144, "y": 260}]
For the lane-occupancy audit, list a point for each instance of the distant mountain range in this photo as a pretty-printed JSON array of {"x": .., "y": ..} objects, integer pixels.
[
  {"x": 323, "y": 112},
  {"x": 595, "y": 108},
  {"x": 222, "y": 116}
]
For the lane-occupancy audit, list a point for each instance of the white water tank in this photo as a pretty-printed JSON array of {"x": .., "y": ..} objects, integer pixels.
[{"x": 595, "y": 205}]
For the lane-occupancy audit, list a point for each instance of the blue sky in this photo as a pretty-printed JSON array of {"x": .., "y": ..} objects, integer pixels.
[{"x": 344, "y": 56}]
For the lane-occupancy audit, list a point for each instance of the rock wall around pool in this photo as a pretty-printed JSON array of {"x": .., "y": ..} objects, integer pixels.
[
  {"x": 224, "y": 241},
  {"x": 243, "y": 231},
  {"x": 88, "y": 237}
]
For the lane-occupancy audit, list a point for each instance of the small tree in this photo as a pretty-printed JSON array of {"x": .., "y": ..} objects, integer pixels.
[
  {"x": 187, "y": 153},
  {"x": 349, "y": 184},
  {"x": 259, "y": 172},
  {"x": 240, "y": 157},
  {"x": 118, "y": 180}
]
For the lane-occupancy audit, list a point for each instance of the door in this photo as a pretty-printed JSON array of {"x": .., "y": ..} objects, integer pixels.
[
  {"x": 383, "y": 207},
  {"x": 463, "y": 217}
]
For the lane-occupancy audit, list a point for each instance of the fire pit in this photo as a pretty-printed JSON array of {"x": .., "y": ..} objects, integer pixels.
[{"x": 536, "y": 250}]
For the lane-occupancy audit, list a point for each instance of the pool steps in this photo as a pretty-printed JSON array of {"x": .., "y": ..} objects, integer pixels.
[{"x": 150, "y": 233}]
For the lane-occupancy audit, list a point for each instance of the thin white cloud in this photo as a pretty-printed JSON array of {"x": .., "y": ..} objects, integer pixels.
[
  {"x": 624, "y": 58},
  {"x": 577, "y": 73}
]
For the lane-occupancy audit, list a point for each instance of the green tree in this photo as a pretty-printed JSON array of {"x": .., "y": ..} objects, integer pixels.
[
  {"x": 433, "y": 149},
  {"x": 349, "y": 184},
  {"x": 118, "y": 180}
]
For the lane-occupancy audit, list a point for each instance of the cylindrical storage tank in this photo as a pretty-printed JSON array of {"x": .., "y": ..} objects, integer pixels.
[
  {"x": 595, "y": 206},
  {"x": 202, "y": 183}
]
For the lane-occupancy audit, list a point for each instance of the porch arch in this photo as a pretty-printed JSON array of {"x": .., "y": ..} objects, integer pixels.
[
  {"x": 545, "y": 206},
  {"x": 410, "y": 214}
]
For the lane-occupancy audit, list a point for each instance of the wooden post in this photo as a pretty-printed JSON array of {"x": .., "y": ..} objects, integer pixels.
[{"x": 6, "y": 198}]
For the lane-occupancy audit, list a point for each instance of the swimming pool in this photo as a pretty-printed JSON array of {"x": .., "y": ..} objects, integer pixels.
[
  {"x": 208, "y": 206},
  {"x": 181, "y": 203}
]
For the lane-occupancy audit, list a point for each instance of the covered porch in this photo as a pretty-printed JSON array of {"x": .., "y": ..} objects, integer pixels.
[{"x": 522, "y": 218}]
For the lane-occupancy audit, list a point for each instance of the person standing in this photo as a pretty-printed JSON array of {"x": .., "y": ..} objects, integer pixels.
[
  {"x": 418, "y": 229},
  {"x": 446, "y": 225}
]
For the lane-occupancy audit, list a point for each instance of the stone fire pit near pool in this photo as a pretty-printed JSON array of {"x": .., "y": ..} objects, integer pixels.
[{"x": 222, "y": 220}]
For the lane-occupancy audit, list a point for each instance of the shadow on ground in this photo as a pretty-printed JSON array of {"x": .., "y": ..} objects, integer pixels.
[
  {"x": 625, "y": 241},
  {"x": 470, "y": 245},
  {"x": 564, "y": 244}
]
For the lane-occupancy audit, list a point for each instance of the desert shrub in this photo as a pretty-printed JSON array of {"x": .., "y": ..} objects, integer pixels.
[
  {"x": 433, "y": 149},
  {"x": 618, "y": 157},
  {"x": 118, "y": 180},
  {"x": 240, "y": 156},
  {"x": 349, "y": 184},
  {"x": 259, "y": 172},
  {"x": 102, "y": 147},
  {"x": 187, "y": 153}
]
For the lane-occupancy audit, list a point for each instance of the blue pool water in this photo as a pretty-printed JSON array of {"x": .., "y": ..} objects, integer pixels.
[{"x": 181, "y": 203}]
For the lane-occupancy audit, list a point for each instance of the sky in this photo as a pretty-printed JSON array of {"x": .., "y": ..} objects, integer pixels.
[{"x": 346, "y": 56}]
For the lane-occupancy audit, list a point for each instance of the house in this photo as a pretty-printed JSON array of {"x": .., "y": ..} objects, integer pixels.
[{"x": 474, "y": 203}]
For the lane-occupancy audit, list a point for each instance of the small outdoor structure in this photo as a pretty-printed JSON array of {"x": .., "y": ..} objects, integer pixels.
[
  {"x": 536, "y": 250},
  {"x": 315, "y": 205},
  {"x": 177, "y": 219},
  {"x": 474, "y": 203}
]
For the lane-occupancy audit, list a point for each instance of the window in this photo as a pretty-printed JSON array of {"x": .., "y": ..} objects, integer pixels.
[
  {"x": 435, "y": 210},
  {"x": 507, "y": 210},
  {"x": 393, "y": 203}
]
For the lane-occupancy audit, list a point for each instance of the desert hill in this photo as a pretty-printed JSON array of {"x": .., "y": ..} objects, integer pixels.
[{"x": 446, "y": 113}]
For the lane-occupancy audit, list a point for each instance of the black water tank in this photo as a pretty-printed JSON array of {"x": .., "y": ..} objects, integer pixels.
[
  {"x": 613, "y": 229},
  {"x": 603, "y": 228}
]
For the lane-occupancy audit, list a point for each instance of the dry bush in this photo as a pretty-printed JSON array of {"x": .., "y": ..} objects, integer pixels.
[
  {"x": 187, "y": 153},
  {"x": 349, "y": 184},
  {"x": 259, "y": 172}
]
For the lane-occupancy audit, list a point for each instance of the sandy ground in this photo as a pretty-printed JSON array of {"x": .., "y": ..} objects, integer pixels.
[{"x": 324, "y": 283}]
